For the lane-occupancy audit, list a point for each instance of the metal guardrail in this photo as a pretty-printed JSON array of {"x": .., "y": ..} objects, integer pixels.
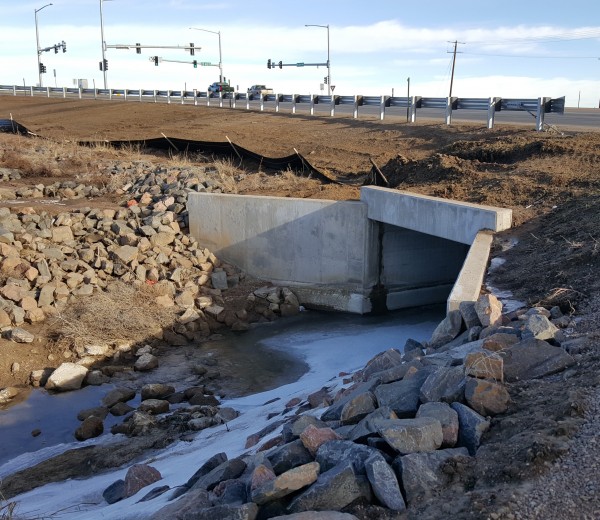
[{"x": 537, "y": 107}]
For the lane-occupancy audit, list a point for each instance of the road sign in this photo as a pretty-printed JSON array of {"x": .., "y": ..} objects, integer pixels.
[
  {"x": 332, "y": 88},
  {"x": 205, "y": 63},
  {"x": 301, "y": 64}
]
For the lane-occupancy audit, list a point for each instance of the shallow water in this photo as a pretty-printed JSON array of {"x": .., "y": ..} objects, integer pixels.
[{"x": 264, "y": 358}]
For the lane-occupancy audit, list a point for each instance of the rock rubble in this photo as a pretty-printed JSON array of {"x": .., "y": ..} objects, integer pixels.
[{"x": 403, "y": 428}]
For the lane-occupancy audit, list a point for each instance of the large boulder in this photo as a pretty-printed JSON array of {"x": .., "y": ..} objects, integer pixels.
[
  {"x": 534, "y": 358},
  {"x": 91, "y": 427},
  {"x": 68, "y": 376},
  {"x": 472, "y": 427},
  {"x": 333, "y": 490},
  {"x": 411, "y": 435},
  {"x": 333, "y": 453},
  {"x": 447, "y": 330},
  {"x": 446, "y": 384},
  {"x": 286, "y": 483},
  {"x": 288, "y": 456},
  {"x": 382, "y": 361},
  {"x": 489, "y": 310},
  {"x": 313, "y": 437},
  {"x": 139, "y": 476},
  {"x": 403, "y": 396},
  {"x": 334, "y": 412},
  {"x": 486, "y": 397},
  {"x": 448, "y": 419},
  {"x": 422, "y": 474},
  {"x": 384, "y": 482}
]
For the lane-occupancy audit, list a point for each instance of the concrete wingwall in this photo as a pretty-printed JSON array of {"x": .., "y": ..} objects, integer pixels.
[
  {"x": 324, "y": 249},
  {"x": 355, "y": 256}
]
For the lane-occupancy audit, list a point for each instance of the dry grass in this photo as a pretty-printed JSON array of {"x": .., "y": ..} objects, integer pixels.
[{"x": 121, "y": 313}]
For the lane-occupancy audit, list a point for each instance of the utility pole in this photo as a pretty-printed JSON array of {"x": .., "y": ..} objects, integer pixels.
[{"x": 455, "y": 42}]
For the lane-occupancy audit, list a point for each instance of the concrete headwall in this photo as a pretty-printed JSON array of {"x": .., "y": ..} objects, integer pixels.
[{"x": 450, "y": 219}]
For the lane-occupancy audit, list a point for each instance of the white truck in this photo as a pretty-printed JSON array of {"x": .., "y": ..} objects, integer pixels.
[{"x": 259, "y": 90}]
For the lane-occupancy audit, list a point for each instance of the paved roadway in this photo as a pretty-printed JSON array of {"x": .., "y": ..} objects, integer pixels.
[{"x": 580, "y": 118}]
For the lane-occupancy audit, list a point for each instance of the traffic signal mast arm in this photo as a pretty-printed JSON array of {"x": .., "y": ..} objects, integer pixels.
[
  {"x": 273, "y": 65},
  {"x": 136, "y": 46},
  {"x": 55, "y": 48}
]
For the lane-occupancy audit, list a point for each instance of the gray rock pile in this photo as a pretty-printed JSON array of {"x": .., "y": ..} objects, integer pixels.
[
  {"x": 405, "y": 426},
  {"x": 160, "y": 407}
]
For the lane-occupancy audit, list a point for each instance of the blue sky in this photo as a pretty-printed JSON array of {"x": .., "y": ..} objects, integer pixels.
[{"x": 507, "y": 49}]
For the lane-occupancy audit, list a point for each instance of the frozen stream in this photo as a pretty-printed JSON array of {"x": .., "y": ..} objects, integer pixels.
[{"x": 322, "y": 344}]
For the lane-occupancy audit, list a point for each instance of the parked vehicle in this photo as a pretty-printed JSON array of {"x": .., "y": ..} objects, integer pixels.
[
  {"x": 259, "y": 90},
  {"x": 219, "y": 86}
]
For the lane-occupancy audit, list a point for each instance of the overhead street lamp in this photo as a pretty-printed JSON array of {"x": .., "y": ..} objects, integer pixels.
[
  {"x": 37, "y": 40},
  {"x": 328, "y": 62},
  {"x": 220, "y": 56}
]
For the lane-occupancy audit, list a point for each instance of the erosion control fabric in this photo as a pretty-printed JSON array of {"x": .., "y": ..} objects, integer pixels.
[{"x": 296, "y": 162}]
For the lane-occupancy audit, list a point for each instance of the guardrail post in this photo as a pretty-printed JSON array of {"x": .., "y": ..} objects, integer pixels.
[
  {"x": 140, "y": 95},
  {"x": 413, "y": 109},
  {"x": 125, "y": 94},
  {"x": 14, "y": 90},
  {"x": 332, "y": 106},
  {"x": 195, "y": 97},
  {"x": 449, "y": 111},
  {"x": 79, "y": 92},
  {"x": 276, "y": 102},
  {"x": 355, "y": 111},
  {"x": 220, "y": 99},
  {"x": 312, "y": 105},
  {"x": 294, "y": 96},
  {"x": 47, "y": 91},
  {"x": 64, "y": 92},
  {"x": 491, "y": 112},
  {"x": 155, "y": 95},
  {"x": 382, "y": 108},
  {"x": 539, "y": 120},
  {"x": 182, "y": 96},
  {"x": 235, "y": 96},
  {"x": 110, "y": 93},
  {"x": 247, "y": 101},
  {"x": 168, "y": 97},
  {"x": 262, "y": 102}
]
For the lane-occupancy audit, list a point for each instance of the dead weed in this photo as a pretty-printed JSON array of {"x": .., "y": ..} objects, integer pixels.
[{"x": 121, "y": 313}]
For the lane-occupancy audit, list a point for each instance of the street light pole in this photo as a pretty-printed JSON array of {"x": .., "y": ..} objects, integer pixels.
[
  {"x": 218, "y": 33},
  {"x": 103, "y": 44},
  {"x": 328, "y": 61},
  {"x": 37, "y": 40}
]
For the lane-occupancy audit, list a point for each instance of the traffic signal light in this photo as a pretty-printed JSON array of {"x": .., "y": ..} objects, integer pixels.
[
  {"x": 64, "y": 46},
  {"x": 192, "y": 50},
  {"x": 105, "y": 64},
  {"x": 269, "y": 64},
  {"x": 280, "y": 64},
  {"x": 138, "y": 48},
  {"x": 195, "y": 64},
  {"x": 42, "y": 68},
  {"x": 56, "y": 49},
  {"x": 156, "y": 61},
  {"x": 325, "y": 80}
]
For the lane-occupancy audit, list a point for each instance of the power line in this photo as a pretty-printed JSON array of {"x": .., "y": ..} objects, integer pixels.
[
  {"x": 588, "y": 34},
  {"x": 531, "y": 56}
]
